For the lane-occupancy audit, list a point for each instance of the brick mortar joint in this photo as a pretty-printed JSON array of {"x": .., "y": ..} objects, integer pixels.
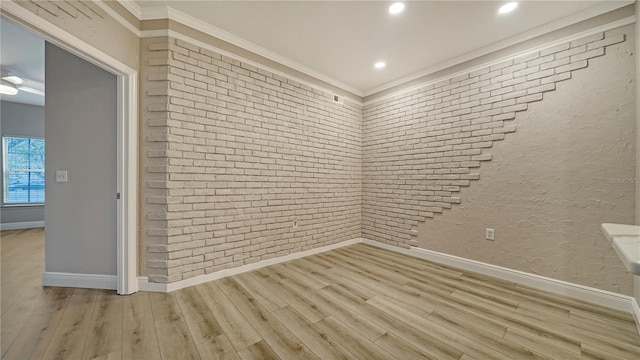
[
  {"x": 177, "y": 239},
  {"x": 574, "y": 58}
]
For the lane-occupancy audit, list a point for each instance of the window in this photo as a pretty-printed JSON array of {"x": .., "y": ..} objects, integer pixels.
[{"x": 23, "y": 173}]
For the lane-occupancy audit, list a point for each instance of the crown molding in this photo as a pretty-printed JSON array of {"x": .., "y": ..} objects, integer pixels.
[
  {"x": 199, "y": 25},
  {"x": 164, "y": 12},
  {"x": 132, "y": 7},
  {"x": 117, "y": 17},
  {"x": 180, "y": 36},
  {"x": 606, "y": 27},
  {"x": 503, "y": 44},
  {"x": 156, "y": 12}
]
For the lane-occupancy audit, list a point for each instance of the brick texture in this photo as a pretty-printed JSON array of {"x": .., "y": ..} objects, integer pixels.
[
  {"x": 80, "y": 10},
  {"x": 87, "y": 21},
  {"x": 232, "y": 154},
  {"x": 422, "y": 147}
]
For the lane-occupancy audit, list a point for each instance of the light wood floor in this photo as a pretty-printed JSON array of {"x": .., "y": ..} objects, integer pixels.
[{"x": 358, "y": 302}]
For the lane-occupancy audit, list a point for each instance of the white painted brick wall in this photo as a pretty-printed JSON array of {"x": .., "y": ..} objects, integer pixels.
[
  {"x": 232, "y": 155},
  {"x": 422, "y": 147},
  {"x": 81, "y": 10}
]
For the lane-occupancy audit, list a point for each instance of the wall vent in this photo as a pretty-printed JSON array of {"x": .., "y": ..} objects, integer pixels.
[{"x": 338, "y": 99}]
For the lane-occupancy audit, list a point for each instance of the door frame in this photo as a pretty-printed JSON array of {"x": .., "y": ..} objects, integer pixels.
[{"x": 127, "y": 134}]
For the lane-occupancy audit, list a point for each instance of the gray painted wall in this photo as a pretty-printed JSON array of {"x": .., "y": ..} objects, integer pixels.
[
  {"x": 20, "y": 120},
  {"x": 80, "y": 236}
]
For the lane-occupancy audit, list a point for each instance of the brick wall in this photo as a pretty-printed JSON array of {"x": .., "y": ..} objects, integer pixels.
[
  {"x": 232, "y": 155},
  {"x": 74, "y": 9},
  {"x": 87, "y": 21},
  {"x": 421, "y": 148}
]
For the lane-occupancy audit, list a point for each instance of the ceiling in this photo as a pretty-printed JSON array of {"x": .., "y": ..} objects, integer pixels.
[
  {"x": 22, "y": 53},
  {"x": 340, "y": 41}
]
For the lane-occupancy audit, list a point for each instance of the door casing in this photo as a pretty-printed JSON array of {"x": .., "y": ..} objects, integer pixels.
[{"x": 127, "y": 134}]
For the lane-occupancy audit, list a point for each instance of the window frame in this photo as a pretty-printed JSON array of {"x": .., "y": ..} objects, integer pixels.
[{"x": 5, "y": 169}]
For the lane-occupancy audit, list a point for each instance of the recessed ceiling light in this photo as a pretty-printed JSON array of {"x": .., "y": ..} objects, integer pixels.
[
  {"x": 508, "y": 7},
  {"x": 14, "y": 79},
  {"x": 379, "y": 65},
  {"x": 8, "y": 89},
  {"x": 396, "y": 8}
]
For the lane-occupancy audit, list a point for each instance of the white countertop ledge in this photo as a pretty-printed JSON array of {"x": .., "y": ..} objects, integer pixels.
[{"x": 625, "y": 239}]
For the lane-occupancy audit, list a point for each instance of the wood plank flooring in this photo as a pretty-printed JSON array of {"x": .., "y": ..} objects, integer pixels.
[{"x": 357, "y": 302}]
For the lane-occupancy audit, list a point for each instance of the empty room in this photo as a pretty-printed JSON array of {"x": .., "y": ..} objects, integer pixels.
[{"x": 319, "y": 180}]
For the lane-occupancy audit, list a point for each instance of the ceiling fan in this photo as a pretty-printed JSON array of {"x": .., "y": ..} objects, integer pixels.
[{"x": 11, "y": 84}]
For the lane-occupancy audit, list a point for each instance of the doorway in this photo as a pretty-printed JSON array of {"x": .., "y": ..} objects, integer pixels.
[
  {"x": 85, "y": 271},
  {"x": 81, "y": 163}
]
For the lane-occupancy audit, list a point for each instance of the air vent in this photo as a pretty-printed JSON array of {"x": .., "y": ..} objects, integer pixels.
[{"x": 338, "y": 99}]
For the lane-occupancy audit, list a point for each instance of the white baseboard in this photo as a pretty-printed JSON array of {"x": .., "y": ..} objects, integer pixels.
[
  {"x": 145, "y": 285},
  {"x": 22, "y": 225},
  {"x": 585, "y": 293},
  {"x": 580, "y": 292},
  {"x": 86, "y": 281}
]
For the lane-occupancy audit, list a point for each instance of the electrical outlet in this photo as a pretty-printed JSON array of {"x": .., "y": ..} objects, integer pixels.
[
  {"x": 295, "y": 223},
  {"x": 61, "y": 176},
  {"x": 490, "y": 234}
]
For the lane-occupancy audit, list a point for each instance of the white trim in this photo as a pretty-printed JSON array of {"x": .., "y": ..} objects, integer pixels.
[
  {"x": 85, "y": 281},
  {"x": 132, "y": 7},
  {"x": 145, "y": 285},
  {"x": 117, "y": 17},
  {"x": 197, "y": 24},
  {"x": 154, "y": 13},
  {"x": 602, "y": 28},
  {"x": 454, "y": 62},
  {"x": 22, "y": 225},
  {"x": 503, "y": 44},
  {"x": 127, "y": 134},
  {"x": 636, "y": 313},
  {"x": 129, "y": 219},
  {"x": 585, "y": 293},
  {"x": 65, "y": 40},
  {"x": 180, "y": 36},
  {"x": 164, "y": 12},
  {"x": 580, "y": 292},
  {"x": 157, "y": 33}
]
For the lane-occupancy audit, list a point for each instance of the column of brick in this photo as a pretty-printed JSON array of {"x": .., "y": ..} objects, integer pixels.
[{"x": 241, "y": 153}]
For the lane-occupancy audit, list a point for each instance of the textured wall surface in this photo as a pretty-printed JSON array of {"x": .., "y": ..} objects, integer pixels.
[
  {"x": 422, "y": 147},
  {"x": 233, "y": 155},
  {"x": 230, "y": 155},
  {"x": 91, "y": 24},
  {"x": 545, "y": 189}
]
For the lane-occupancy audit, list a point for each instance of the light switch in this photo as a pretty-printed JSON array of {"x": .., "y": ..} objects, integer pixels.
[{"x": 61, "y": 176}]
